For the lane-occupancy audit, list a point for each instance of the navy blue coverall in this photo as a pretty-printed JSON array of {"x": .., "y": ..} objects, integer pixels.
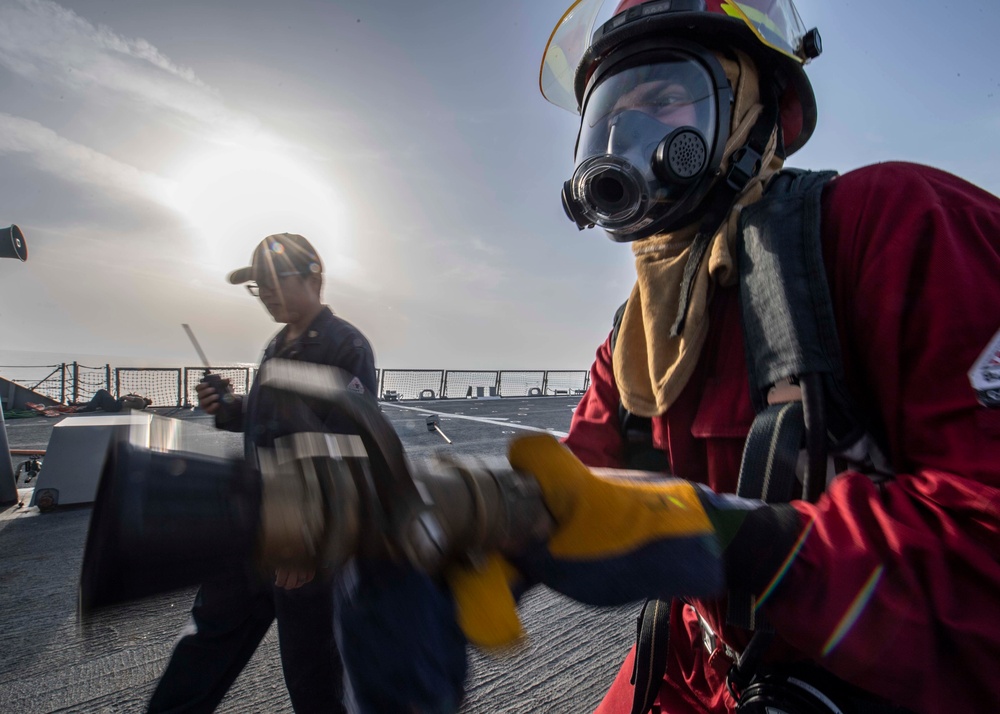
[{"x": 232, "y": 613}]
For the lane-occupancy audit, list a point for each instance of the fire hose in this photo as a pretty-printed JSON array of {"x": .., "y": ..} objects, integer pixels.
[{"x": 163, "y": 521}]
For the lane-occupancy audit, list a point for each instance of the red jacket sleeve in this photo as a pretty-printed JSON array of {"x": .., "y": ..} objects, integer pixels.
[
  {"x": 896, "y": 587},
  {"x": 594, "y": 434}
]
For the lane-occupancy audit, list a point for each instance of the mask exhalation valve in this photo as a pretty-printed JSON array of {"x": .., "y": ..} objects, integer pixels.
[{"x": 682, "y": 156}]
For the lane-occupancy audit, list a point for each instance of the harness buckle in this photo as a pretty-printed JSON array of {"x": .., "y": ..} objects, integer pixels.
[
  {"x": 712, "y": 642},
  {"x": 745, "y": 166}
]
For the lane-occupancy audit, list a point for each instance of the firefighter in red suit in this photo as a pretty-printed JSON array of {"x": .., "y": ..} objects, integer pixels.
[
  {"x": 880, "y": 590},
  {"x": 890, "y": 580},
  {"x": 912, "y": 256}
]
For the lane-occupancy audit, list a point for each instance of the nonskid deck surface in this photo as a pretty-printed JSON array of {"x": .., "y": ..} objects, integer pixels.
[{"x": 47, "y": 664}]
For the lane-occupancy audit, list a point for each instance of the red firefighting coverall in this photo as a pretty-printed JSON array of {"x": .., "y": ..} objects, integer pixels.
[{"x": 896, "y": 589}]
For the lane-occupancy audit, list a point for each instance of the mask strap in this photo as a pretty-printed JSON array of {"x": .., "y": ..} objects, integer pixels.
[{"x": 744, "y": 166}]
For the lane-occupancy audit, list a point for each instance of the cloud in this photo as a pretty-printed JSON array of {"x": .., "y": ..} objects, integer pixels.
[
  {"x": 53, "y": 47},
  {"x": 490, "y": 249},
  {"x": 480, "y": 273},
  {"x": 75, "y": 162},
  {"x": 45, "y": 42}
]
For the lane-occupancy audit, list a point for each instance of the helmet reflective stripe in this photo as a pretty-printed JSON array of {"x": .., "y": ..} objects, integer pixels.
[{"x": 785, "y": 40}]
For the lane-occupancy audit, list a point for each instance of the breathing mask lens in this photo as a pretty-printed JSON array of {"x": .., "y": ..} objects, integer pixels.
[{"x": 648, "y": 137}]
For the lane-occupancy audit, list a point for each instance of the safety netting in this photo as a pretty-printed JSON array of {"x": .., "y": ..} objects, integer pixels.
[
  {"x": 411, "y": 384},
  {"x": 525, "y": 383},
  {"x": 565, "y": 382},
  {"x": 463, "y": 383},
  {"x": 162, "y": 385},
  {"x": 74, "y": 383}
]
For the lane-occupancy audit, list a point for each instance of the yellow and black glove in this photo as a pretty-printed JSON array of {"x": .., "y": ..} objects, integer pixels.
[{"x": 615, "y": 541}]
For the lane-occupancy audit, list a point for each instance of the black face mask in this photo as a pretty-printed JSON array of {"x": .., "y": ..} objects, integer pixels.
[{"x": 650, "y": 145}]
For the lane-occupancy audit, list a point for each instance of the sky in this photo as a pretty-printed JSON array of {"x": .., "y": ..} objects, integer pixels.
[{"x": 147, "y": 146}]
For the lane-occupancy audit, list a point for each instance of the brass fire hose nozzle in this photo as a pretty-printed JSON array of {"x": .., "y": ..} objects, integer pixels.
[
  {"x": 319, "y": 507},
  {"x": 328, "y": 497}
]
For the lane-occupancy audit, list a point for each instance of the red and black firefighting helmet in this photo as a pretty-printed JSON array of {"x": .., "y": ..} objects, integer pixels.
[{"x": 770, "y": 31}]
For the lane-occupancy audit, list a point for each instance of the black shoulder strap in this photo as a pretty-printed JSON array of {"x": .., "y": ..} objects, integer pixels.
[
  {"x": 625, "y": 417},
  {"x": 788, "y": 321},
  {"x": 617, "y": 325}
]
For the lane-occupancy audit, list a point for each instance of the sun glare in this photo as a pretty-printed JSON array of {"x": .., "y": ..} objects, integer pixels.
[{"x": 234, "y": 197}]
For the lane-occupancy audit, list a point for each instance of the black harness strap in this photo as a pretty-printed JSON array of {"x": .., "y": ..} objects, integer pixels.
[
  {"x": 651, "y": 646},
  {"x": 790, "y": 334},
  {"x": 636, "y": 431},
  {"x": 767, "y": 474}
]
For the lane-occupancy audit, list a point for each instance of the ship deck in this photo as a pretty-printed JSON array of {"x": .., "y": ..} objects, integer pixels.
[{"x": 50, "y": 663}]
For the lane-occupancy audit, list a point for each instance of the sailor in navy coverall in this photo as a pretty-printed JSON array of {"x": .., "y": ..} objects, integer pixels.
[{"x": 232, "y": 613}]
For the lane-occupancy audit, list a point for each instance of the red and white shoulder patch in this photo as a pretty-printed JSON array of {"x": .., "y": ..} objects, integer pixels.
[
  {"x": 985, "y": 374},
  {"x": 355, "y": 385}
]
